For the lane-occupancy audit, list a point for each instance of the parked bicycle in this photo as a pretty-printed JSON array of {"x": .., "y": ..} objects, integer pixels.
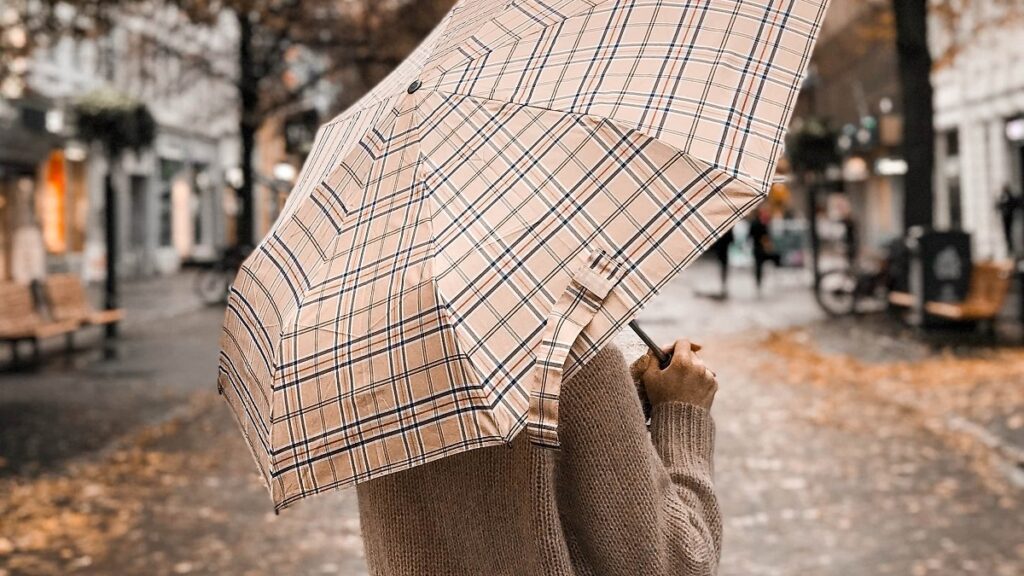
[
  {"x": 213, "y": 283},
  {"x": 855, "y": 290}
]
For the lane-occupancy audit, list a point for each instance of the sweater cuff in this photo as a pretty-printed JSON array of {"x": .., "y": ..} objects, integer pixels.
[{"x": 683, "y": 435}]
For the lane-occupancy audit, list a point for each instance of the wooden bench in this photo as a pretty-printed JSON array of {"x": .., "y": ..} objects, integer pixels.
[
  {"x": 20, "y": 321},
  {"x": 990, "y": 284},
  {"x": 67, "y": 301},
  {"x": 901, "y": 299}
]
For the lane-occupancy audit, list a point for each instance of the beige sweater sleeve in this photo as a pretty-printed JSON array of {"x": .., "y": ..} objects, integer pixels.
[{"x": 634, "y": 502}]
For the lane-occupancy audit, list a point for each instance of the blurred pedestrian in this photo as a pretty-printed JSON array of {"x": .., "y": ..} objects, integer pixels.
[
  {"x": 721, "y": 249},
  {"x": 613, "y": 500},
  {"x": 1009, "y": 204},
  {"x": 852, "y": 243},
  {"x": 28, "y": 249},
  {"x": 761, "y": 239},
  {"x": 28, "y": 254}
]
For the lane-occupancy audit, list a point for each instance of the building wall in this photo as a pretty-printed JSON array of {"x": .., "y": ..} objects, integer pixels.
[
  {"x": 854, "y": 63},
  {"x": 979, "y": 88},
  {"x": 855, "y": 77},
  {"x": 164, "y": 219}
]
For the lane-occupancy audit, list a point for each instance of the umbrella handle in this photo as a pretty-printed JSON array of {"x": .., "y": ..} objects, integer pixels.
[{"x": 663, "y": 358}]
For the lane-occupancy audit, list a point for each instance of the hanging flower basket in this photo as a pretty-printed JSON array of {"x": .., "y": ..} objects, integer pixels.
[
  {"x": 812, "y": 147},
  {"x": 117, "y": 121}
]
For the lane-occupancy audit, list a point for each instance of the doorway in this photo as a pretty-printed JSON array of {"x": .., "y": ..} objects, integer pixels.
[{"x": 136, "y": 249}]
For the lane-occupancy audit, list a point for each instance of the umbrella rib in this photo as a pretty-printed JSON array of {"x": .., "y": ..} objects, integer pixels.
[
  {"x": 419, "y": 261},
  {"x": 743, "y": 179},
  {"x": 456, "y": 53}
]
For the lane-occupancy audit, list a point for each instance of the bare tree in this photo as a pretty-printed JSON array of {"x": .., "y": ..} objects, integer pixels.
[
  {"x": 379, "y": 35},
  {"x": 361, "y": 39},
  {"x": 352, "y": 41},
  {"x": 26, "y": 25},
  {"x": 915, "y": 64},
  {"x": 959, "y": 23}
]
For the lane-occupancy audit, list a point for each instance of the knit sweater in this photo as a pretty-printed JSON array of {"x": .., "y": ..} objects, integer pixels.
[{"x": 614, "y": 499}]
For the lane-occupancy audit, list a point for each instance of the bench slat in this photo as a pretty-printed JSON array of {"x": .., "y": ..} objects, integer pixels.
[
  {"x": 67, "y": 301},
  {"x": 990, "y": 284},
  {"x": 19, "y": 319}
]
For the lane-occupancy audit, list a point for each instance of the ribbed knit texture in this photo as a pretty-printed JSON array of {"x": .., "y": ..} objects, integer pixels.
[{"x": 613, "y": 500}]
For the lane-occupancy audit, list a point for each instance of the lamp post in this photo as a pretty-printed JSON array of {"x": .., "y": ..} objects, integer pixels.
[
  {"x": 118, "y": 123},
  {"x": 812, "y": 151}
]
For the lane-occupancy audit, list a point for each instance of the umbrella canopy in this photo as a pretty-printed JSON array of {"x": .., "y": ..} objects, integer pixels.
[{"x": 490, "y": 215}]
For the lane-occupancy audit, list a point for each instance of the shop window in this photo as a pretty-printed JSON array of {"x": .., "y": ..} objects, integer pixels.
[
  {"x": 953, "y": 143},
  {"x": 5, "y": 227},
  {"x": 139, "y": 188},
  {"x": 51, "y": 204},
  {"x": 61, "y": 203},
  {"x": 956, "y": 210},
  {"x": 182, "y": 207},
  {"x": 951, "y": 173},
  {"x": 78, "y": 205},
  {"x": 200, "y": 189},
  {"x": 169, "y": 171}
]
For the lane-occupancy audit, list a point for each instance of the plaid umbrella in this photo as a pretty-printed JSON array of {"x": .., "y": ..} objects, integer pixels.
[{"x": 490, "y": 215}]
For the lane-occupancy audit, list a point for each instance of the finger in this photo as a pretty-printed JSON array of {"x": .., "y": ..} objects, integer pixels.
[
  {"x": 710, "y": 374},
  {"x": 684, "y": 351},
  {"x": 669, "y": 350},
  {"x": 652, "y": 364},
  {"x": 693, "y": 346},
  {"x": 702, "y": 371},
  {"x": 639, "y": 366}
]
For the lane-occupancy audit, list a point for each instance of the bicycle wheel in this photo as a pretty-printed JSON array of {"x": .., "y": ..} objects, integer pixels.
[
  {"x": 212, "y": 286},
  {"x": 835, "y": 293}
]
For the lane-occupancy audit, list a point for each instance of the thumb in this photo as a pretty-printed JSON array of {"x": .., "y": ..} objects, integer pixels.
[{"x": 639, "y": 366}]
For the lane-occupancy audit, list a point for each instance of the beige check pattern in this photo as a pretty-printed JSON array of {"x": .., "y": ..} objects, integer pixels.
[{"x": 477, "y": 227}]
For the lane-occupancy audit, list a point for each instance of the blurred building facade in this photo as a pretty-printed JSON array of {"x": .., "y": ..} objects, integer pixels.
[
  {"x": 853, "y": 87},
  {"x": 174, "y": 204},
  {"x": 979, "y": 116}
]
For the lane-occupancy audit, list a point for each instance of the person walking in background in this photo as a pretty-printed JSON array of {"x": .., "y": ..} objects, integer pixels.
[
  {"x": 28, "y": 248},
  {"x": 613, "y": 500},
  {"x": 721, "y": 249},
  {"x": 28, "y": 254},
  {"x": 852, "y": 243},
  {"x": 761, "y": 239},
  {"x": 1008, "y": 206}
]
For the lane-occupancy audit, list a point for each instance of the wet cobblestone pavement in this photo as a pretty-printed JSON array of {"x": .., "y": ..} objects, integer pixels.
[{"x": 136, "y": 468}]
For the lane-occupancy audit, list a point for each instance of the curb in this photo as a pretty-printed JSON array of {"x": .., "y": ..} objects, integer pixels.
[{"x": 1009, "y": 457}]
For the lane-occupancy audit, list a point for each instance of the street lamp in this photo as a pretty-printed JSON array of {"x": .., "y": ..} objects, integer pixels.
[
  {"x": 285, "y": 172},
  {"x": 234, "y": 177},
  {"x": 75, "y": 151},
  {"x": 12, "y": 88}
]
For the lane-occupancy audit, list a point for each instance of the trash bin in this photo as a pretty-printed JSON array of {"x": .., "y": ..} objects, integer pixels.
[{"x": 939, "y": 270}]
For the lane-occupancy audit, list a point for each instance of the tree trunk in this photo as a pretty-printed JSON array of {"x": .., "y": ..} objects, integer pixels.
[
  {"x": 248, "y": 88},
  {"x": 915, "y": 65},
  {"x": 110, "y": 292},
  {"x": 815, "y": 238}
]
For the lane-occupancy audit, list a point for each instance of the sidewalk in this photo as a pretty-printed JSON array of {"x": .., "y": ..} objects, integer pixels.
[
  {"x": 972, "y": 395},
  {"x": 135, "y": 467},
  {"x": 159, "y": 298},
  {"x": 956, "y": 383},
  {"x": 145, "y": 301}
]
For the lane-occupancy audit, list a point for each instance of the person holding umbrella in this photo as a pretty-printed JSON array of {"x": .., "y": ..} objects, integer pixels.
[
  {"x": 429, "y": 318},
  {"x": 614, "y": 500}
]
